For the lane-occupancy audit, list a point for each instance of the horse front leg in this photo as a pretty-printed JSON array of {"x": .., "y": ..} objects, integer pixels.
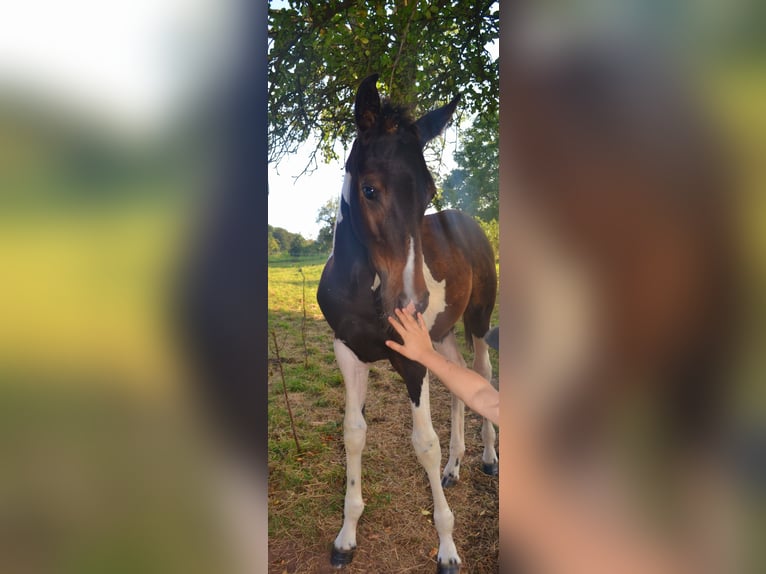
[
  {"x": 482, "y": 365},
  {"x": 355, "y": 374},
  {"x": 428, "y": 451},
  {"x": 448, "y": 348}
]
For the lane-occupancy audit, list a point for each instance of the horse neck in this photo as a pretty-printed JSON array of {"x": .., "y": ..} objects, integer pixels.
[{"x": 348, "y": 251}]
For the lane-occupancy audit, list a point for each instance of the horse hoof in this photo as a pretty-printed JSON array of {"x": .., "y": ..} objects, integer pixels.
[
  {"x": 340, "y": 558},
  {"x": 449, "y": 481},
  {"x": 451, "y": 568},
  {"x": 490, "y": 468}
]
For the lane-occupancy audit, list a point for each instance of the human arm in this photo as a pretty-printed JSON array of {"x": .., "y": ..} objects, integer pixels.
[
  {"x": 473, "y": 389},
  {"x": 558, "y": 529}
]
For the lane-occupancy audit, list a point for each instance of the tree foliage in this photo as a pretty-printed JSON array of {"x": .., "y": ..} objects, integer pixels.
[
  {"x": 492, "y": 231},
  {"x": 273, "y": 245},
  {"x": 474, "y": 186},
  {"x": 298, "y": 246},
  {"x": 326, "y": 218},
  {"x": 426, "y": 52},
  {"x": 283, "y": 242}
]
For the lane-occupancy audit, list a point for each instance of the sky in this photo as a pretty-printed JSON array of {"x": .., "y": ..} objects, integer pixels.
[
  {"x": 294, "y": 203},
  {"x": 128, "y": 62}
]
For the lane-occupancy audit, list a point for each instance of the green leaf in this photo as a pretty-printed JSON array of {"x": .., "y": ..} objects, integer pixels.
[{"x": 315, "y": 64}]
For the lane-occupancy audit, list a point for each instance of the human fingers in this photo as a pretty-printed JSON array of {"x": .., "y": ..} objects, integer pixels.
[
  {"x": 398, "y": 327},
  {"x": 404, "y": 326},
  {"x": 406, "y": 318},
  {"x": 395, "y": 346}
]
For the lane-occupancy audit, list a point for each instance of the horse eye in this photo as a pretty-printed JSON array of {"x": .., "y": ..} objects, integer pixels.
[{"x": 368, "y": 191}]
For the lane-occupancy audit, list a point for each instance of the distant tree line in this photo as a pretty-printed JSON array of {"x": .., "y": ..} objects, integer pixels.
[{"x": 283, "y": 243}]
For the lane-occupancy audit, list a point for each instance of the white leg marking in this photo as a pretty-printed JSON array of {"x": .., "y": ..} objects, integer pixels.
[
  {"x": 437, "y": 299},
  {"x": 355, "y": 374},
  {"x": 448, "y": 348},
  {"x": 408, "y": 275},
  {"x": 427, "y": 449},
  {"x": 482, "y": 366}
]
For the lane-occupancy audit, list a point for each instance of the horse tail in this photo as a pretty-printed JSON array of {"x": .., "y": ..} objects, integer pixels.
[{"x": 467, "y": 333}]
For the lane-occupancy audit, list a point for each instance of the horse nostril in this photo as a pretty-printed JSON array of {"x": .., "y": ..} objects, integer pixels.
[{"x": 422, "y": 305}]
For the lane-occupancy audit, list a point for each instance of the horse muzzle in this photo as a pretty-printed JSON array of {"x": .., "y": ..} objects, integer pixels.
[{"x": 420, "y": 302}]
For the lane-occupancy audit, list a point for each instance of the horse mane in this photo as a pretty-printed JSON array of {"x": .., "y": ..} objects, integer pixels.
[{"x": 394, "y": 117}]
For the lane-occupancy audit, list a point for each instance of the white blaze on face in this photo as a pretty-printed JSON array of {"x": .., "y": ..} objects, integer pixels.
[
  {"x": 346, "y": 191},
  {"x": 344, "y": 197},
  {"x": 408, "y": 275}
]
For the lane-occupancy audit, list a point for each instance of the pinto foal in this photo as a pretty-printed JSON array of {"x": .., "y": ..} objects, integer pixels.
[{"x": 386, "y": 253}]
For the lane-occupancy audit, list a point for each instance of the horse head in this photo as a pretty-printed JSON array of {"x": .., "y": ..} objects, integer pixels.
[{"x": 388, "y": 190}]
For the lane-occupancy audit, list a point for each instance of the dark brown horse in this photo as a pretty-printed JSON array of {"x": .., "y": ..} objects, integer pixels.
[{"x": 386, "y": 253}]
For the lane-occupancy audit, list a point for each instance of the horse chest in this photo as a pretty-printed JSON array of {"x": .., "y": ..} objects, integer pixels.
[{"x": 347, "y": 300}]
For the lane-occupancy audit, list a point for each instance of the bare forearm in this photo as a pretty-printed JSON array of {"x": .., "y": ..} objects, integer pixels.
[{"x": 473, "y": 389}]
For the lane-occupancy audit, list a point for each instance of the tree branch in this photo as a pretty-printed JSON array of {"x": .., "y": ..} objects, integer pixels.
[{"x": 401, "y": 47}]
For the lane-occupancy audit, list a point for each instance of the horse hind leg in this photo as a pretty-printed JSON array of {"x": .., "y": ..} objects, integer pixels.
[
  {"x": 448, "y": 348},
  {"x": 482, "y": 365},
  {"x": 355, "y": 374},
  {"x": 428, "y": 451}
]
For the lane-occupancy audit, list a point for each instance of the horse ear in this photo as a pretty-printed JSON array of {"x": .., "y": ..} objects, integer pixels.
[
  {"x": 367, "y": 105},
  {"x": 432, "y": 124}
]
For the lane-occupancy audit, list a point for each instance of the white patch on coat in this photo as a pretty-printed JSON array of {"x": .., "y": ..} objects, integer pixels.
[
  {"x": 376, "y": 282},
  {"x": 437, "y": 300},
  {"x": 408, "y": 275}
]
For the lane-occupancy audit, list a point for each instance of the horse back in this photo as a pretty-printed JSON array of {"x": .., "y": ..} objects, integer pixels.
[{"x": 457, "y": 252}]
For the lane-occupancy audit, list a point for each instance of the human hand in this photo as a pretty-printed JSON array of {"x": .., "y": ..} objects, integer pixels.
[{"x": 413, "y": 331}]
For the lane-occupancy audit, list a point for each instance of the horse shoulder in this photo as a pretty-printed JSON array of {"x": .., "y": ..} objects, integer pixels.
[{"x": 453, "y": 242}]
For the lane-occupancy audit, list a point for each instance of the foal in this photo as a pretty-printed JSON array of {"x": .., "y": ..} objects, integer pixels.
[{"x": 386, "y": 253}]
